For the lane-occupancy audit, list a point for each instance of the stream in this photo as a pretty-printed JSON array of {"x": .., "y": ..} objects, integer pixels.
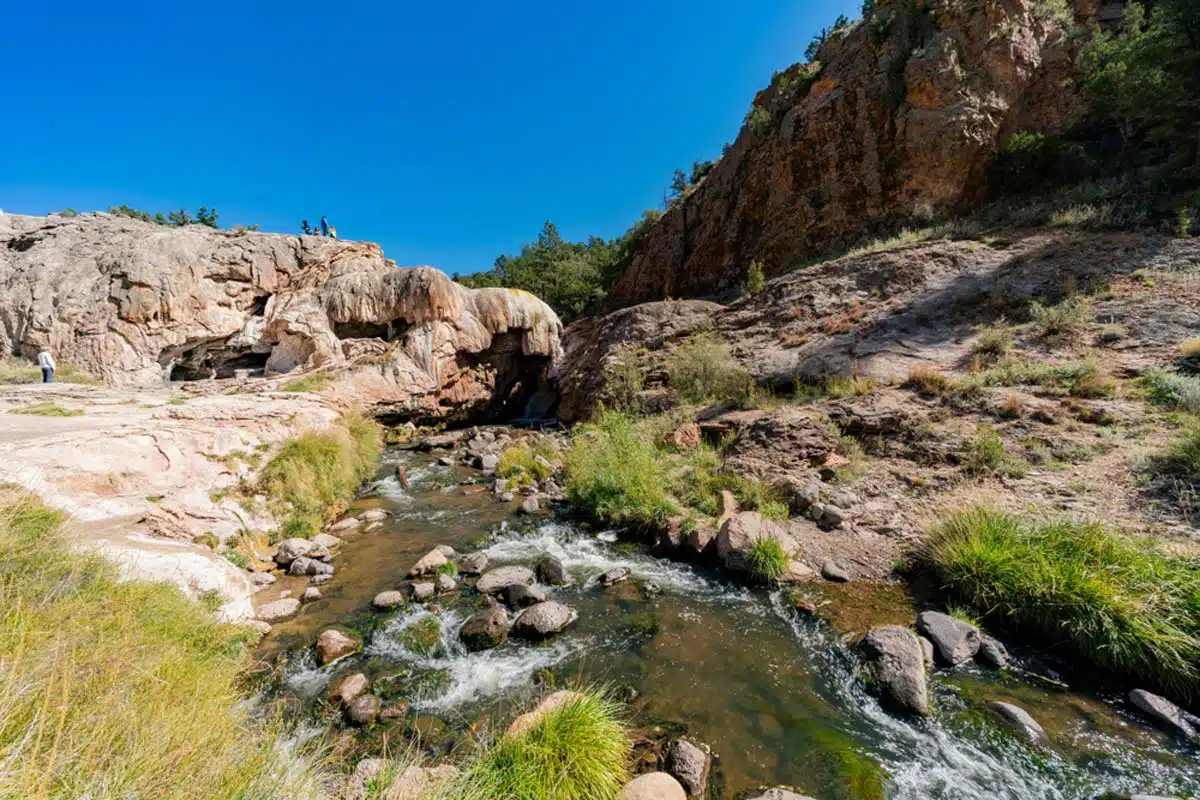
[{"x": 775, "y": 694}]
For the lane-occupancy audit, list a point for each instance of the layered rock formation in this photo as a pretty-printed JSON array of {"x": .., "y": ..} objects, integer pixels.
[
  {"x": 898, "y": 121},
  {"x": 138, "y": 304}
]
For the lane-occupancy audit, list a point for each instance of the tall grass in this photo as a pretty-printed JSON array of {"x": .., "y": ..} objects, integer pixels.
[
  {"x": 1084, "y": 378},
  {"x": 578, "y": 751},
  {"x": 702, "y": 370},
  {"x": 1121, "y": 604},
  {"x": 119, "y": 690},
  {"x": 766, "y": 560},
  {"x": 1182, "y": 459},
  {"x": 1065, "y": 319},
  {"x": 613, "y": 472}
]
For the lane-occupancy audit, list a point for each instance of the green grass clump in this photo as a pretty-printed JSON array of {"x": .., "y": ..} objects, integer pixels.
[
  {"x": 578, "y": 751},
  {"x": 1174, "y": 389},
  {"x": 836, "y": 388},
  {"x": 315, "y": 474},
  {"x": 766, "y": 561},
  {"x": 1065, "y": 319},
  {"x": 313, "y": 382},
  {"x": 994, "y": 341},
  {"x": 614, "y": 473},
  {"x": 47, "y": 409},
  {"x": 1182, "y": 459},
  {"x": 422, "y": 636},
  {"x": 702, "y": 370},
  {"x": 449, "y": 568},
  {"x": 298, "y": 527},
  {"x": 1122, "y": 604},
  {"x": 1084, "y": 378},
  {"x": 986, "y": 455},
  {"x": 700, "y": 484},
  {"x": 519, "y": 463},
  {"x": 118, "y": 689}
]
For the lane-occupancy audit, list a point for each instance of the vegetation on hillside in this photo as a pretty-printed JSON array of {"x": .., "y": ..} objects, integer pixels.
[
  {"x": 204, "y": 216},
  {"x": 18, "y": 370}
]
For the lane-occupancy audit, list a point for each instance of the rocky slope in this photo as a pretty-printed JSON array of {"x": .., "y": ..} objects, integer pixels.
[
  {"x": 137, "y": 304},
  {"x": 898, "y": 121}
]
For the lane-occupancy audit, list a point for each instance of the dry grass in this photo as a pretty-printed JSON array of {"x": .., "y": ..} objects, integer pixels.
[
  {"x": 927, "y": 380},
  {"x": 1012, "y": 406},
  {"x": 1190, "y": 348},
  {"x": 47, "y": 409}
]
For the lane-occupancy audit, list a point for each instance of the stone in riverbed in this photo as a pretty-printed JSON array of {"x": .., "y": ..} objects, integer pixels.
[
  {"x": 652, "y": 786},
  {"x": 496, "y": 580},
  {"x": 308, "y": 566},
  {"x": 689, "y": 765},
  {"x": 530, "y": 505},
  {"x": 955, "y": 641},
  {"x": 429, "y": 563},
  {"x": 388, "y": 600},
  {"x": 262, "y": 628},
  {"x": 364, "y": 710},
  {"x": 543, "y": 619},
  {"x": 279, "y": 610},
  {"x": 518, "y": 595},
  {"x": 349, "y": 689},
  {"x": 897, "y": 666},
  {"x": 326, "y": 540},
  {"x": 1019, "y": 720},
  {"x": 473, "y": 563},
  {"x": 375, "y": 515},
  {"x": 289, "y": 550},
  {"x": 506, "y": 497},
  {"x": 991, "y": 651},
  {"x": 319, "y": 580},
  {"x": 332, "y": 645},
  {"x": 1166, "y": 713},
  {"x": 423, "y": 591},
  {"x": 926, "y": 650},
  {"x": 349, "y": 523},
  {"x": 833, "y": 571},
  {"x": 446, "y": 550},
  {"x": 488, "y": 462},
  {"x": 614, "y": 576},
  {"x": 551, "y": 571},
  {"x": 445, "y": 584},
  {"x": 311, "y": 594},
  {"x": 261, "y": 579},
  {"x": 485, "y": 629}
]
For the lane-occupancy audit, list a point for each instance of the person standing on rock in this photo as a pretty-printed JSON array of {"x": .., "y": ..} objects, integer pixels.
[
  {"x": 304, "y": 226},
  {"x": 324, "y": 226},
  {"x": 46, "y": 362}
]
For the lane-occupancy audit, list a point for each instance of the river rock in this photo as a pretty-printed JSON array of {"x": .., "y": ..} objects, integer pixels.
[
  {"x": 530, "y": 505},
  {"x": 496, "y": 580},
  {"x": 309, "y": 566},
  {"x": 446, "y": 550},
  {"x": 778, "y": 794},
  {"x": 321, "y": 580},
  {"x": 551, "y": 702},
  {"x": 926, "y": 650},
  {"x": 897, "y": 666},
  {"x": 327, "y": 540},
  {"x": 1166, "y": 713},
  {"x": 833, "y": 571},
  {"x": 311, "y": 594},
  {"x": 387, "y": 600},
  {"x": 364, "y": 710},
  {"x": 418, "y": 783},
  {"x": 261, "y": 579},
  {"x": 402, "y": 475},
  {"x": 332, "y": 645},
  {"x": 473, "y": 563},
  {"x": 429, "y": 563},
  {"x": 445, "y": 584},
  {"x": 741, "y": 530},
  {"x": 375, "y": 515},
  {"x": 423, "y": 591},
  {"x": 289, "y": 550},
  {"x": 551, "y": 571},
  {"x": 1019, "y": 720},
  {"x": 653, "y": 786},
  {"x": 279, "y": 610},
  {"x": 614, "y": 576},
  {"x": 485, "y": 629},
  {"x": 543, "y": 619},
  {"x": 348, "y": 689},
  {"x": 991, "y": 651},
  {"x": 349, "y": 523},
  {"x": 954, "y": 640},
  {"x": 702, "y": 539},
  {"x": 518, "y": 595},
  {"x": 689, "y": 765},
  {"x": 507, "y": 497},
  {"x": 488, "y": 462}
]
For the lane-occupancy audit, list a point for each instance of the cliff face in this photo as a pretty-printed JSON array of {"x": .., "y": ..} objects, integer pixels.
[
  {"x": 137, "y": 304},
  {"x": 907, "y": 109}
]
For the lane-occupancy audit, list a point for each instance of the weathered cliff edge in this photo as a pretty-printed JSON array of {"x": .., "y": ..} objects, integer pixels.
[{"x": 137, "y": 304}]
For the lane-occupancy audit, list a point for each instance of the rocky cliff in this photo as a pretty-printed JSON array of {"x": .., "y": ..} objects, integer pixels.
[
  {"x": 896, "y": 121},
  {"x": 137, "y": 304}
]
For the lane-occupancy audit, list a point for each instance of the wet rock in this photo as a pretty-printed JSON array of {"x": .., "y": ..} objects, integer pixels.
[
  {"x": 614, "y": 576},
  {"x": 446, "y": 550},
  {"x": 551, "y": 702},
  {"x": 897, "y": 666},
  {"x": 333, "y": 645},
  {"x": 279, "y": 610},
  {"x": 429, "y": 563},
  {"x": 364, "y": 710},
  {"x": 311, "y": 594},
  {"x": 1167, "y": 714},
  {"x": 485, "y": 629},
  {"x": 543, "y": 619},
  {"x": 1019, "y": 720},
  {"x": 833, "y": 571},
  {"x": 374, "y": 526},
  {"x": 349, "y": 523},
  {"x": 309, "y": 566},
  {"x": 446, "y": 461},
  {"x": 652, "y": 786},
  {"x": 326, "y": 540},
  {"x": 926, "y": 650},
  {"x": 778, "y": 794},
  {"x": 402, "y": 475},
  {"x": 991, "y": 651},
  {"x": 530, "y": 505},
  {"x": 261, "y": 579},
  {"x": 689, "y": 765},
  {"x": 321, "y": 580},
  {"x": 423, "y": 591},
  {"x": 551, "y": 571},
  {"x": 447, "y": 439},
  {"x": 473, "y": 563},
  {"x": 518, "y": 595},
  {"x": 496, "y": 580},
  {"x": 651, "y": 587},
  {"x": 289, "y": 550},
  {"x": 740, "y": 531},
  {"x": 375, "y": 515},
  {"x": 349, "y": 689},
  {"x": 445, "y": 584},
  {"x": 257, "y": 625},
  {"x": 954, "y": 641},
  {"x": 388, "y": 600}
]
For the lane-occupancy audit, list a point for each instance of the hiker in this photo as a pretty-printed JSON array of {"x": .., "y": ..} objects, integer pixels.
[
  {"x": 332, "y": 232},
  {"x": 304, "y": 226},
  {"x": 324, "y": 226},
  {"x": 46, "y": 362}
]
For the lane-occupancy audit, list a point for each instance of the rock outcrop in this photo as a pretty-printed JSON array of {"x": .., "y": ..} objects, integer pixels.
[
  {"x": 137, "y": 304},
  {"x": 898, "y": 120}
]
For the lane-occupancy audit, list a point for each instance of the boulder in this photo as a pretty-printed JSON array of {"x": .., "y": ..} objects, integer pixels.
[
  {"x": 309, "y": 566},
  {"x": 530, "y": 505},
  {"x": 518, "y": 595},
  {"x": 473, "y": 563},
  {"x": 348, "y": 689},
  {"x": 614, "y": 576},
  {"x": 551, "y": 702},
  {"x": 652, "y": 786},
  {"x": 446, "y": 550},
  {"x": 261, "y": 579},
  {"x": 805, "y": 495},
  {"x": 279, "y": 610},
  {"x": 423, "y": 591},
  {"x": 954, "y": 641},
  {"x": 497, "y": 579},
  {"x": 991, "y": 651},
  {"x": 551, "y": 571},
  {"x": 333, "y": 645},
  {"x": 832, "y": 516},
  {"x": 445, "y": 584},
  {"x": 686, "y": 437},
  {"x": 485, "y": 629},
  {"x": 690, "y": 765},
  {"x": 543, "y": 619},
  {"x": 289, "y": 550},
  {"x": 326, "y": 540},
  {"x": 897, "y": 667},
  {"x": 926, "y": 650},
  {"x": 741, "y": 530},
  {"x": 349, "y": 523},
  {"x": 321, "y": 580},
  {"x": 488, "y": 462},
  {"x": 429, "y": 563},
  {"x": 387, "y": 600},
  {"x": 833, "y": 571},
  {"x": 310, "y": 594},
  {"x": 702, "y": 539},
  {"x": 1019, "y": 720},
  {"x": 364, "y": 710},
  {"x": 375, "y": 515},
  {"x": 1165, "y": 713}
]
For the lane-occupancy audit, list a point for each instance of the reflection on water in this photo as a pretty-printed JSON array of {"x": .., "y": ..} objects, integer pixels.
[{"x": 776, "y": 695}]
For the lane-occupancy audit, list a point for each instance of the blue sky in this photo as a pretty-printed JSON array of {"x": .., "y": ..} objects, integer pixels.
[{"x": 447, "y": 132}]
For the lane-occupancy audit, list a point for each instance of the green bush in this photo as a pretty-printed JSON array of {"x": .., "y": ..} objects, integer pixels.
[
  {"x": 835, "y": 388},
  {"x": 758, "y": 119},
  {"x": 1170, "y": 388},
  {"x": 994, "y": 341},
  {"x": 519, "y": 463},
  {"x": 300, "y": 528},
  {"x": 1065, "y": 319},
  {"x": 1122, "y": 604},
  {"x": 613, "y": 473},
  {"x": 701, "y": 370},
  {"x": 312, "y": 382},
  {"x": 986, "y": 455},
  {"x": 756, "y": 279},
  {"x": 766, "y": 561},
  {"x": 1182, "y": 459}
]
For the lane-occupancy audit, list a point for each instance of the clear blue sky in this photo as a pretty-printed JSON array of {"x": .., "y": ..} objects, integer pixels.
[{"x": 445, "y": 131}]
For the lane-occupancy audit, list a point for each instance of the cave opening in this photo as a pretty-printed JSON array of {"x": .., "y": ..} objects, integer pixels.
[
  {"x": 212, "y": 360},
  {"x": 388, "y": 331}
]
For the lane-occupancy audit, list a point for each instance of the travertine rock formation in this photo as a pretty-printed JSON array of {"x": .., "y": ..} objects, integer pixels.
[{"x": 137, "y": 304}]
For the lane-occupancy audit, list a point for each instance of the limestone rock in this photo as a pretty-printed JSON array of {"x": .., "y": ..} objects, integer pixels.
[
  {"x": 262, "y": 579},
  {"x": 955, "y": 641},
  {"x": 485, "y": 629},
  {"x": 1019, "y": 720},
  {"x": 543, "y": 619},
  {"x": 445, "y": 584},
  {"x": 473, "y": 563},
  {"x": 289, "y": 550},
  {"x": 551, "y": 571},
  {"x": 1165, "y": 713},
  {"x": 375, "y": 515},
  {"x": 897, "y": 666},
  {"x": 308, "y": 566},
  {"x": 333, "y": 645},
  {"x": 347, "y": 524},
  {"x": 349, "y": 688},
  {"x": 518, "y": 595},
  {"x": 428, "y": 564},
  {"x": 495, "y": 580},
  {"x": 740, "y": 531},
  {"x": 689, "y": 765},
  {"x": 279, "y": 610},
  {"x": 653, "y": 786},
  {"x": 423, "y": 591},
  {"x": 388, "y": 600},
  {"x": 311, "y": 594},
  {"x": 364, "y": 710},
  {"x": 326, "y": 540}
]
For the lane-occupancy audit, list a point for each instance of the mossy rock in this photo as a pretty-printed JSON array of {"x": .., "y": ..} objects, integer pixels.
[{"x": 423, "y": 636}]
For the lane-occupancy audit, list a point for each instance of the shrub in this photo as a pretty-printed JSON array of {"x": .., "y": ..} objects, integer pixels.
[
  {"x": 927, "y": 380},
  {"x": 994, "y": 341},
  {"x": 623, "y": 380},
  {"x": 986, "y": 455},
  {"x": 1084, "y": 378},
  {"x": 1063, "y": 320},
  {"x": 1012, "y": 406},
  {"x": 757, "y": 119},
  {"x": 312, "y": 382},
  {"x": 756, "y": 279},
  {"x": 613, "y": 473},
  {"x": 1182, "y": 459},
  {"x": 1169, "y": 388},
  {"x": 835, "y": 388},
  {"x": 1122, "y": 604},
  {"x": 519, "y": 462},
  {"x": 766, "y": 561},
  {"x": 578, "y": 751},
  {"x": 701, "y": 370},
  {"x": 121, "y": 689},
  {"x": 300, "y": 528},
  {"x": 1190, "y": 348}
]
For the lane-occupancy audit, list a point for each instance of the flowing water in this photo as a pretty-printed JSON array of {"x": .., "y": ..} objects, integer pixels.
[{"x": 776, "y": 694}]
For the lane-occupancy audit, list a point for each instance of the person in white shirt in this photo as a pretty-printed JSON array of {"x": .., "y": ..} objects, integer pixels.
[{"x": 46, "y": 362}]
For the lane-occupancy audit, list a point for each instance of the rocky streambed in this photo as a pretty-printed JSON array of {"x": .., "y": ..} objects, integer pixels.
[{"x": 777, "y": 692}]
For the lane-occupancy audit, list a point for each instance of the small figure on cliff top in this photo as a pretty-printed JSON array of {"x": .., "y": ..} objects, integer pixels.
[
  {"x": 46, "y": 362},
  {"x": 324, "y": 226},
  {"x": 304, "y": 226},
  {"x": 332, "y": 232}
]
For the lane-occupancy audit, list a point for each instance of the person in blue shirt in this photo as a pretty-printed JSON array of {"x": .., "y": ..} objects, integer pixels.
[{"x": 324, "y": 226}]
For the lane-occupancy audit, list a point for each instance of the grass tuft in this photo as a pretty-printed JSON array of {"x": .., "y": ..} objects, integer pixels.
[
  {"x": 994, "y": 341},
  {"x": 766, "y": 561},
  {"x": 1084, "y": 378},
  {"x": 702, "y": 370},
  {"x": 986, "y": 455},
  {"x": 1063, "y": 320},
  {"x": 1190, "y": 348},
  {"x": 613, "y": 472},
  {"x": 836, "y": 388},
  {"x": 927, "y": 380},
  {"x": 312, "y": 382},
  {"x": 47, "y": 409},
  {"x": 1174, "y": 389},
  {"x": 1122, "y": 604},
  {"x": 1182, "y": 459}
]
